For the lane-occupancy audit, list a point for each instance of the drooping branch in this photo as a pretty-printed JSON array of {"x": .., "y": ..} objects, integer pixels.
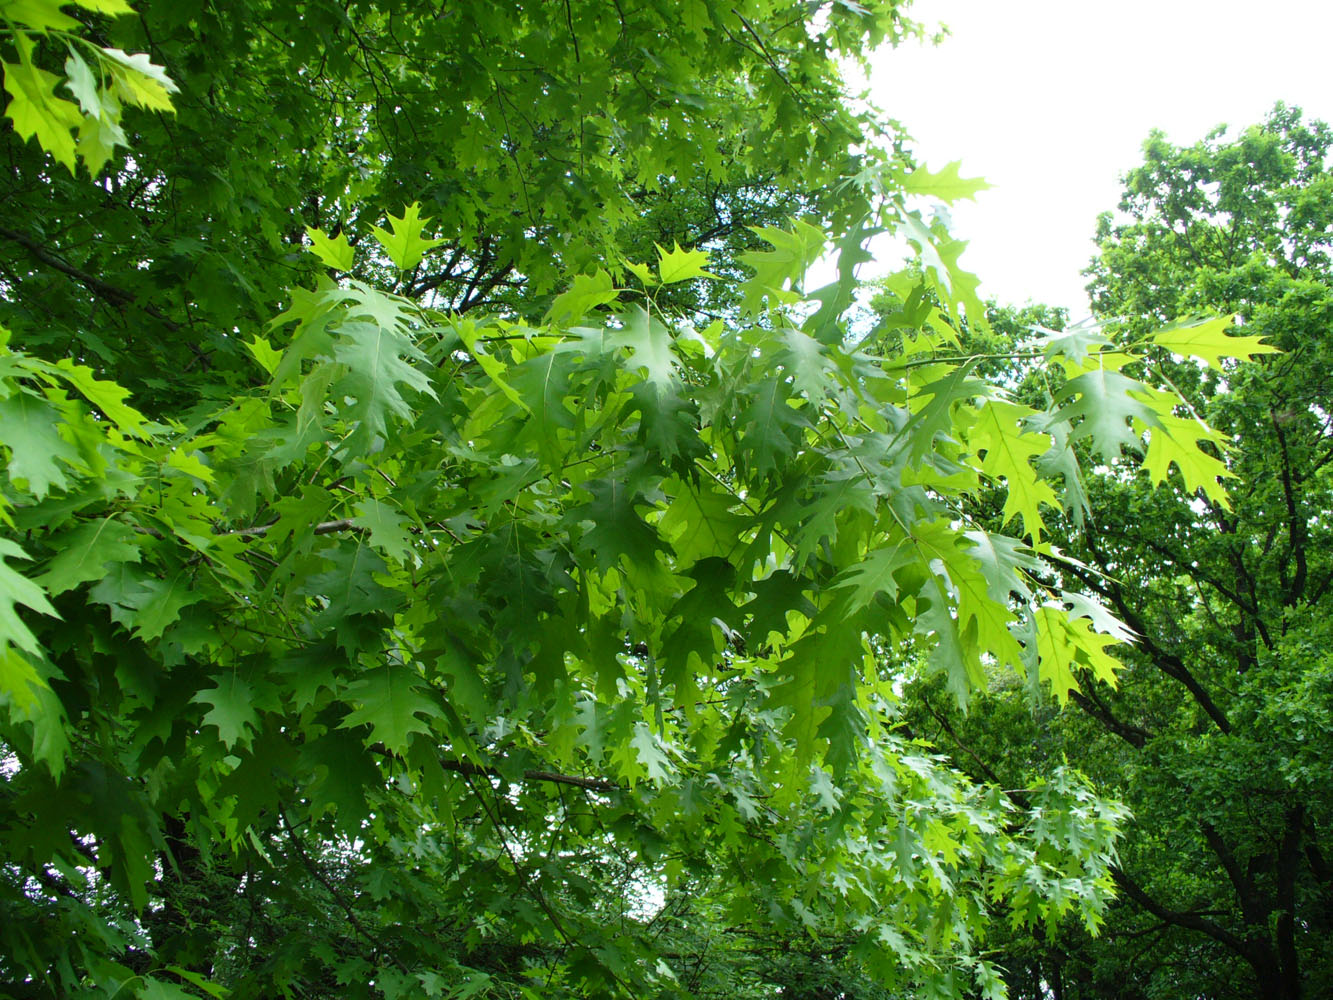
[
  {"x": 102, "y": 289},
  {"x": 1252, "y": 907}
]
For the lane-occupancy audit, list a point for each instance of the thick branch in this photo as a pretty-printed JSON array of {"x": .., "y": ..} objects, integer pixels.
[
  {"x": 1252, "y": 908},
  {"x": 1288, "y": 868},
  {"x": 1167, "y": 662},
  {"x": 1296, "y": 527},
  {"x": 1187, "y": 920},
  {"x": 102, "y": 289},
  {"x": 1131, "y": 734}
]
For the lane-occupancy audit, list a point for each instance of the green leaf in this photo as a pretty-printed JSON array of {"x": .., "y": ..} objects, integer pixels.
[
  {"x": 85, "y": 553},
  {"x": 1208, "y": 340},
  {"x": 587, "y": 292},
  {"x": 649, "y": 344},
  {"x": 681, "y": 265},
  {"x": 144, "y": 603},
  {"x": 30, "y": 428},
  {"x": 794, "y": 252},
  {"x": 945, "y": 185},
  {"x": 83, "y": 85},
  {"x": 344, "y": 773},
  {"x": 138, "y": 80},
  {"x": 387, "y": 527},
  {"x": 1100, "y": 401},
  {"x": 233, "y": 710},
  {"x": 495, "y": 370},
  {"x": 377, "y": 359},
  {"x": 1073, "y": 342},
  {"x": 618, "y": 532},
  {"x": 16, "y": 589},
  {"x": 391, "y": 700},
  {"x": 648, "y": 749},
  {"x": 771, "y": 429},
  {"x": 107, "y": 396},
  {"x": 405, "y": 245},
  {"x": 809, "y": 364},
  {"x": 194, "y": 978},
  {"x": 874, "y": 575},
  {"x": 152, "y": 988},
  {"x": 20, "y": 684},
  {"x": 98, "y": 139},
  {"x": 334, "y": 251},
  {"x": 34, "y": 108}
]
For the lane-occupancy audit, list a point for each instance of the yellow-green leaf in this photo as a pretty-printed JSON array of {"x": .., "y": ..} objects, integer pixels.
[
  {"x": 643, "y": 272},
  {"x": 1208, "y": 340},
  {"x": 1176, "y": 440},
  {"x": 681, "y": 265},
  {"x": 35, "y": 109},
  {"x": 39, "y": 15},
  {"x": 109, "y": 397},
  {"x": 587, "y": 292},
  {"x": 1065, "y": 644},
  {"x": 15, "y": 588},
  {"x": 112, "y": 8},
  {"x": 406, "y": 245},
  {"x": 945, "y": 185},
  {"x": 138, "y": 80},
  {"x": 334, "y": 251}
]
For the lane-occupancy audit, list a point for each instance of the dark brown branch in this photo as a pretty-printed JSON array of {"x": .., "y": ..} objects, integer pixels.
[
  {"x": 1296, "y": 527},
  {"x": 102, "y": 289},
  {"x": 319, "y": 876},
  {"x": 466, "y": 767},
  {"x": 1252, "y": 907},
  {"x": 1131, "y": 734},
  {"x": 1288, "y": 868},
  {"x": 323, "y": 528},
  {"x": 1167, "y": 662},
  {"x": 1186, "y": 919},
  {"x": 986, "y": 771}
]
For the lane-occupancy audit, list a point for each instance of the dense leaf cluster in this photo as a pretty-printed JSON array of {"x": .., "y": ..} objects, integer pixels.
[{"x": 378, "y": 644}]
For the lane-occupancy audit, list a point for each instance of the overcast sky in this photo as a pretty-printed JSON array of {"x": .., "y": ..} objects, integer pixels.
[{"x": 1050, "y": 101}]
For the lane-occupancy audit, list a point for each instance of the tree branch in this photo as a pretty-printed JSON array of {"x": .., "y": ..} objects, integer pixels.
[
  {"x": 1131, "y": 734},
  {"x": 466, "y": 767},
  {"x": 1185, "y": 919},
  {"x": 1167, "y": 662}
]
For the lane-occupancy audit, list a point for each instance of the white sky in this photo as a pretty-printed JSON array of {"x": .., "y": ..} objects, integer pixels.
[{"x": 1050, "y": 101}]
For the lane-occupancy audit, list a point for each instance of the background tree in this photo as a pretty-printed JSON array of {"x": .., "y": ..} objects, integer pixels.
[{"x": 1218, "y": 737}]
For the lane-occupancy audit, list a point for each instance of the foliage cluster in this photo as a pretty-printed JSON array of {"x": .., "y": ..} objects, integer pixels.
[{"x": 383, "y": 644}]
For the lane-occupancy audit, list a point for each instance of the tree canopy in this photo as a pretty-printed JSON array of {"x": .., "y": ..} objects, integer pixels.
[{"x": 424, "y": 577}]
